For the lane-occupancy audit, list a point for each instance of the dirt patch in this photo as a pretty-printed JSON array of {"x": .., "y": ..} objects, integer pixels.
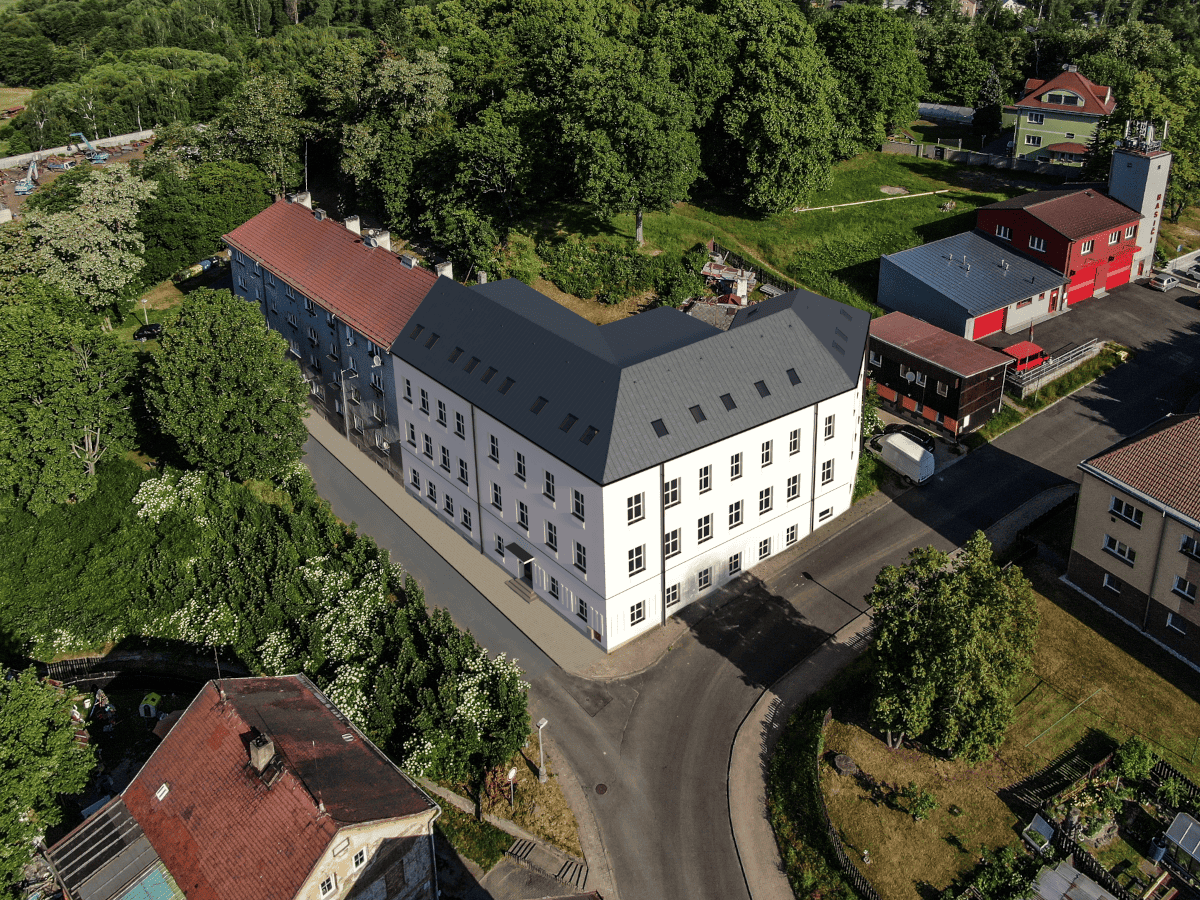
[
  {"x": 593, "y": 310},
  {"x": 891, "y": 189},
  {"x": 163, "y": 296}
]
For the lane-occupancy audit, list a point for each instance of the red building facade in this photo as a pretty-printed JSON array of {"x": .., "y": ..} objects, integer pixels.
[{"x": 1082, "y": 233}]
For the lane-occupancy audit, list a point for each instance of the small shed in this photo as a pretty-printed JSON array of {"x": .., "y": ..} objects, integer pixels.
[
  {"x": 1183, "y": 845},
  {"x": 1027, "y": 354}
]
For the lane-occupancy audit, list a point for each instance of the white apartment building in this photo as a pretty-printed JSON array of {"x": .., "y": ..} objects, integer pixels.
[{"x": 621, "y": 472}]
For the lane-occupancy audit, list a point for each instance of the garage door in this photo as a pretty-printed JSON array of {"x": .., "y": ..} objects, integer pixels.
[
  {"x": 1081, "y": 290},
  {"x": 989, "y": 324},
  {"x": 1118, "y": 274}
]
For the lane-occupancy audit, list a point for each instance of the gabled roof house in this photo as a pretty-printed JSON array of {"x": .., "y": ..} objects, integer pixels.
[{"x": 1055, "y": 119}]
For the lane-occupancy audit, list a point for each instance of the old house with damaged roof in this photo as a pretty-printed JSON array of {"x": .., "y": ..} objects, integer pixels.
[
  {"x": 262, "y": 790},
  {"x": 616, "y": 472}
]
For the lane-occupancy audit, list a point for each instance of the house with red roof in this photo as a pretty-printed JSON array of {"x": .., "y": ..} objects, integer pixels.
[
  {"x": 340, "y": 297},
  {"x": 1136, "y": 547},
  {"x": 1055, "y": 119},
  {"x": 262, "y": 790},
  {"x": 935, "y": 377}
]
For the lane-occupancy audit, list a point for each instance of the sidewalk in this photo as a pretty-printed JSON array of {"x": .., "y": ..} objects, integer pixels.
[{"x": 757, "y": 735}]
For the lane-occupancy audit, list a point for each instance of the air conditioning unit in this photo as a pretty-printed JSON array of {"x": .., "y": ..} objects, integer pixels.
[{"x": 376, "y": 362}]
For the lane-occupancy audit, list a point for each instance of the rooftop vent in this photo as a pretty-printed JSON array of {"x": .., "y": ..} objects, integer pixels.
[
  {"x": 262, "y": 751},
  {"x": 445, "y": 270},
  {"x": 408, "y": 260},
  {"x": 458, "y": 351},
  {"x": 488, "y": 375},
  {"x": 379, "y": 238},
  {"x": 471, "y": 364},
  {"x": 304, "y": 198},
  {"x": 481, "y": 277},
  {"x": 508, "y": 383},
  {"x": 319, "y": 214},
  {"x": 352, "y": 224}
]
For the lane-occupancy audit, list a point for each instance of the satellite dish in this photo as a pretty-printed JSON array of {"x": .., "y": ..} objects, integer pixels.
[
  {"x": 512, "y": 774},
  {"x": 910, "y": 377}
]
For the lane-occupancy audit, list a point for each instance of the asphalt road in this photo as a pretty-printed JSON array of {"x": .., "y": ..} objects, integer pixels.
[{"x": 660, "y": 741}]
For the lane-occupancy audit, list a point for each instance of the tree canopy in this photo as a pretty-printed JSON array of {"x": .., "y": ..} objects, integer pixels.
[
  {"x": 953, "y": 637},
  {"x": 222, "y": 388}
]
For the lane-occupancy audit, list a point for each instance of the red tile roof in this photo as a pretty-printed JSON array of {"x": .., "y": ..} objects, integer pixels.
[
  {"x": 941, "y": 348},
  {"x": 1022, "y": 350},
  {"x": 367, "y": 287},
  {"x": 221, "y": 831},
  {"x": 1162, "y": 462},
  {"x": 1097, "y": 98},
  {"x": 1067, "y": 147},
  {"x": 1073, "y": 212}
]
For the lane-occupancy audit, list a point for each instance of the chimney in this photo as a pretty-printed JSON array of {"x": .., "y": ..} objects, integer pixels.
[
  {"x": 409, "y": 261},
  {"x": 481, "y": 277},
  {"x": 262, "y": 751},
  {"x": 742, "y": 289},
  {"x": 304, "y": 198},
  {"x": 445, "y": 270},
  {"x": 351, "y": 224},
  {"x": 319, "y": 214},
  {"x": 379, "y": 238}
]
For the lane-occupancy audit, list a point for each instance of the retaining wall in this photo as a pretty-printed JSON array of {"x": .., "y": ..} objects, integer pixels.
[{"x": 10, "y": 162}]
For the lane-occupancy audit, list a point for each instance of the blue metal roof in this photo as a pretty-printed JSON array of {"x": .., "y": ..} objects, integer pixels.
[{"x": 977, "y": 272}]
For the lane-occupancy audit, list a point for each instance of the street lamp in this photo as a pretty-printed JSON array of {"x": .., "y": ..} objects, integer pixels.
[{"x": 542, "y": 723}]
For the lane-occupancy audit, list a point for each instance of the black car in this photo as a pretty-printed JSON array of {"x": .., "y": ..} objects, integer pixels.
[
  {"x": 924, "y": 438},
  {"x": 147, "y": 332}
]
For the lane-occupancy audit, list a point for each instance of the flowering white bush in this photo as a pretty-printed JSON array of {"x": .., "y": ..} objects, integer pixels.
[{"x": 173, "y": 490}]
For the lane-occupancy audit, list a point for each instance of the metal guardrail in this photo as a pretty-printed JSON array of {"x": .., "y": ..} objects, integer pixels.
[{"x": 1032, "y": 379}]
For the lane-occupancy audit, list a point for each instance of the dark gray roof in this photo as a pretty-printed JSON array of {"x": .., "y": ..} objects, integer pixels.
[
  {"x": 103, "y": 855},
  {"x": 620, "y": 379},
  {"x": 993, "y": 275}
]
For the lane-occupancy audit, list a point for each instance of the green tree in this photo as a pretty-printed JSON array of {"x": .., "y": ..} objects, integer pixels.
[
  {"x": 989, "y": 114},
  {"x": 875, "y": 56},
  {"x": 1134, "y": 759},
  {"x": 953, "y": 638},
  {"x": 222, "y": 388},
  {"x": 63, "y": 405},
  {"x": 262, "y": 124},
  {"x": 42, "y": 761},
  {"x": 93, "y": 250}
]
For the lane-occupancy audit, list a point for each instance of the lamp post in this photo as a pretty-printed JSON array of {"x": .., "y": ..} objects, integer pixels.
[{"x": 542, "y": 723}]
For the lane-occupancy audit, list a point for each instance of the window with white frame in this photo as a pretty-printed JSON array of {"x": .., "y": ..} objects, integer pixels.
[
  {"x": 493, "y": 448},
  {"x": 705, "y": 478},
  {"x": 875, "y": 359},
  {"x": 360, "y": 858},
  {"x": 496, "y": 501},
  {"x": 943, "y": 389},
  {"x": 521, "y": 466},
  {"x": 671, "y": 493},
  {"x": 577, "y": 504},
  {"x": 500, "y": 546},
  {"x": 637, "y": 613},
  {"x": 1130, "y": 231},
  {"x": 766, "y": 452},
  {"x": 1184, "y": 588},
  {"x": 765, "y": 500},
  {"x": 428, "y": 447},
  {"x": 791, "y": 534},
  {"x": 635, "y": 509},
  {"x": 581, "y": 609},
  {"x": 466, "y": 518},
  {"x": 1037, "y": 243},
  {"x": 1033, "y": 140},
  {"x": 637, "y": 560},
  {"x": 1190, "y": 546},
  {"x": 1111, "y": 583},
  {"x": 1036, "y": 118},
  {"x": 735, "y": 466},
  {"x": 441, "y": 415},
  {"x": 1087, "y": 247},
  {"x": 579, "y": 556},
  {"x": 704, "y": 578},
  {"x": 921, "y": 379},
  {"x": 671, "y": 544},
  {"x": 735, "y": 514},
  {"x": 548, "y": 485},
  {"x": 794, "y": 441},
  {"x": 462, "y": 472},
  {"x": 523, "y": 515},
  {"x": 552, "y": 536},
  {"x": 328, "y": 883},
  {"x": 828, "y": 427},
  {"x": 793, "y": 487},
  {"x": 1114, "y": 237},
  {"x": 294, "y": 346},
  {"x": 704, "y": 528},
  {"x": 448, "y": 505},
  {"x": 460, "y": 425},
  {"x": 424, "y": 400},
  {"x": 1120, "y": 550},
  {"x": 415, "y": 480},
  {"x": 1004, "y": 232},
  {"x": 1126, "y": 511},
  {"x": 672, "y": 596},
  {"x": 1177, "y": 622},
  {"x": 431, "y": 491},
  {"x": 735, "y": 564},
  {"x": 827, "y": 471},
  {"x": 554, "y": 591},
  {"x": 825, "y": 515},
  {"x": 412, "y": 433},
  {"x": 764, "y": 548}
]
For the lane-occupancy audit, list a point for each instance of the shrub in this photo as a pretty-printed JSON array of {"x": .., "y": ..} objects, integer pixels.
[
  {"x": 1134, "y": 759},
  {"x": 610, "y": 273}
]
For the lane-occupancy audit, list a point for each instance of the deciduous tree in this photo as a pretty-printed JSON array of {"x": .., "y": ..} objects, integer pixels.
[{"x": 223, "y": 389}]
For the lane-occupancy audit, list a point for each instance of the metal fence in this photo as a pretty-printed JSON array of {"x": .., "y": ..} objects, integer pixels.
[
  {"x": 976, "y": 158},
  {"x": 733, "y": 259},
  {"x": 1031, "y": 380}
]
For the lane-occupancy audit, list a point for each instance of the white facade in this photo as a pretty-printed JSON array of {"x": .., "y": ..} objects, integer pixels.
[
  {"x": 1139, "y": 180},
  {"x": 595, "y": 554}
]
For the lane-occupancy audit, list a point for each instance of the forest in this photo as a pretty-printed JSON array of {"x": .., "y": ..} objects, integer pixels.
[{"x": 457, "y": 121}]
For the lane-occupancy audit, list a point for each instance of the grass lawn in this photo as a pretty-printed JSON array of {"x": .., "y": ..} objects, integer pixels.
[
  {"x": 1186, "y": 232},
  {"x": 482, "y": 843},
  {"x": 1083, "y": 657},
  {"x": 11, "y": 96},
  {"x": 926, "y": 132}
]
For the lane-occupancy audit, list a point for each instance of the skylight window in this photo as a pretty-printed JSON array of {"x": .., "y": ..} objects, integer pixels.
[
  {"x": 538, "y": 405},
  {"x": 487, "y": 376},
  {"x": 416, "y": 332},
  {"x": 762, "y": 389},
  {"x": 458, "y": 351},
  {"x": 659, "y": 428},
  {"x": 793, "y": 377},
  {"x": 433, "y": 339},
  {"x": 727, "y": 399},
  {"x": 568, "y": 422},
  {"x": 508, "y": 382},
  {"x": 838, "y": 348},
  {"x": 470, "y": 366},
  {"x": 846, "y": 315},
  {"x": 840, "y": 334},
  {"x": 588, "y": 434},
  {"x": 697, "y": 413}
]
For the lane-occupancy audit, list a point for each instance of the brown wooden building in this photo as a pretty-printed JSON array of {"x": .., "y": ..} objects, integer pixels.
[{"x": 936, "y": 377}]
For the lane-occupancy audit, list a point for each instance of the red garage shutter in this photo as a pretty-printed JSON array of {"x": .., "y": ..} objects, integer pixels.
[
  {"x": 1081, "y": 290},
  {"x": 988, "y": 324},
  {"x": 1119, "y": 273}
]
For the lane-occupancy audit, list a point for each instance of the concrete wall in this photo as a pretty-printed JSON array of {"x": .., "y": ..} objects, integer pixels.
[
  {"x": 973, "y": 158},
  {"x": 9, "y": 162}
]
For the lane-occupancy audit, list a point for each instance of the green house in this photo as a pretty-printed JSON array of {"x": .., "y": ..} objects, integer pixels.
[{"x": 1054, "y": 120}]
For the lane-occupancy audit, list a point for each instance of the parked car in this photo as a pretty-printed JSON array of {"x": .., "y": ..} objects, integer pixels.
[
  {"x": 923, "y": 439},
  {"x": 1194, "y": 272},
  {"x": 1163, "y": 282},
  {"x": 148, "y": 332}
]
